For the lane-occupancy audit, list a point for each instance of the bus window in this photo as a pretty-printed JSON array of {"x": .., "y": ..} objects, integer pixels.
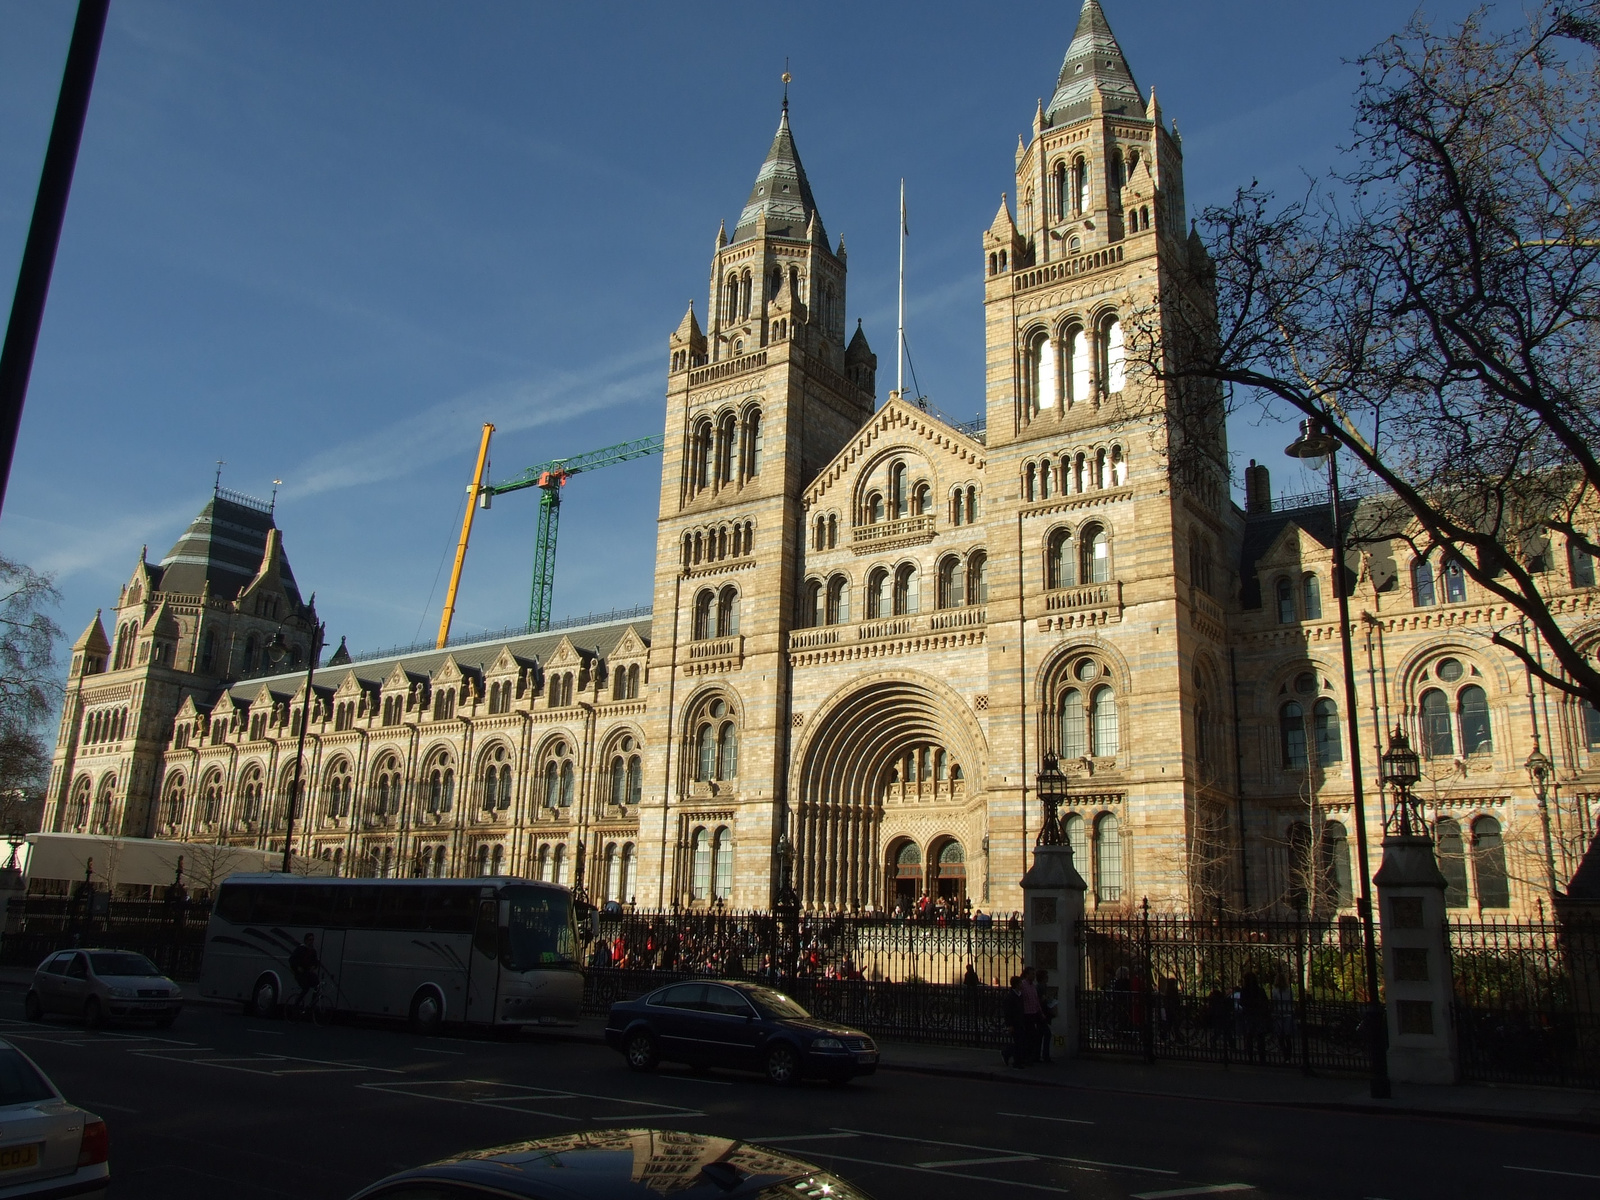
[
  {"x": 453, "y": 910},
  {"x": 486, "y": 938},
  {"x": 274, "y": 904},
  {"x": 313, "y": 903},
  {"x": 355, "y": 906},
  {"x": 234, "y": 903},
  {"x": 539, "y": 930}
]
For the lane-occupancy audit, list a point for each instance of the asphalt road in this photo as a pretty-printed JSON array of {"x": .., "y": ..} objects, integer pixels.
[{"x": 224, "y": 1105}]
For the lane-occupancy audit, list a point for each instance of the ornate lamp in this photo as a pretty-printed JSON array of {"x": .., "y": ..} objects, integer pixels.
[
  {"x": 1541, "y": 771},
  {"x": 1401, "y": 769},
  {"x": 1052, "y": 787}
]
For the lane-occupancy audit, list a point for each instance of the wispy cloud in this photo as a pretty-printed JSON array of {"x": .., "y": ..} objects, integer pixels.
[
  {"x": 434, "y": 433},
  {"x": 63, "y": 549}
]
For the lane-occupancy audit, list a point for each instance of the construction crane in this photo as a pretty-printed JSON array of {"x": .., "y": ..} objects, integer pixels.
[{"x": 550, "y": 478}]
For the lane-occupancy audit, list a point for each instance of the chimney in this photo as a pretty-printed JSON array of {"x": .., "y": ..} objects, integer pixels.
[{"x": 1257, "y": 489}]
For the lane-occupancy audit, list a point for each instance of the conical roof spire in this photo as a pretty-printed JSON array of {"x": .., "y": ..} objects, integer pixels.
[
  {"x": 781, "y": 193},
  {"x": 1093, "y": 60}
]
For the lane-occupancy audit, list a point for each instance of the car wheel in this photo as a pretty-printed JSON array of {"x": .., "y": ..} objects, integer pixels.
[
  {"x": 641, "y": 1052},
  {"x": 93, "y": 1015},
  {"x": 427, "y": 1012},
  {"x": 264, "y": 1000},
  {"x": 783, "y": 1065},
  {"x": 32, "y": 1008}
]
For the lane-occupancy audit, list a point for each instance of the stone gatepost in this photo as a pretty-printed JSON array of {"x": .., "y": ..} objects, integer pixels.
[
  {"x": 1053, "y": 900},
  {"x": 1416, "y": 963}
]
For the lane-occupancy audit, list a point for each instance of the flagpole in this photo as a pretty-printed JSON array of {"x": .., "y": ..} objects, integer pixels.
[{"x": 900, "y": 358}]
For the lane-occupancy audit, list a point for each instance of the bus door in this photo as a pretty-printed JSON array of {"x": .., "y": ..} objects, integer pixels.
[
  {"x": 484, "y": 971},
  {"x": 330, "y": 953}
]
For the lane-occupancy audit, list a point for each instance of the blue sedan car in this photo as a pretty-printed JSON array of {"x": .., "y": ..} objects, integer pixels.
[{"x": 722, "y": 1023}]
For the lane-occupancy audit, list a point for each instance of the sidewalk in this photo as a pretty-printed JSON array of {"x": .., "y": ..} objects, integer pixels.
[{"x": 1507, "y": 1104}]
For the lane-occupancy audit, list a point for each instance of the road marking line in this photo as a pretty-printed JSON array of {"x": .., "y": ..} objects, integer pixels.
[
  {"x": 1212, "y": 1190},
  {"x": 802, "y": 1137},
  {"x": 1008, "y": 1183},
  {"x": 1092, "y": 1162},
  {"x": 1547, "y": 1171},
  {"x": 1037, "y": 1117},
  {"x": 398, "y": 1090},
  {"x": 431, "y": 1050},
  {"x": 978, "y": 1162}
]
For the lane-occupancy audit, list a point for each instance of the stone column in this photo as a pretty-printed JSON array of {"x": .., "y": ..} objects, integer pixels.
[
  {"x": 1052, "y": 907},
  {"x": 1416, "y": 963}
]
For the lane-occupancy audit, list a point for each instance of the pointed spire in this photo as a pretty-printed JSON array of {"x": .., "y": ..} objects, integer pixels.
[
  {"x": 722, "y": 234},
  {"x": 1094, "y": 59},
  {"x": 93, "y": 638},
  {"x": 781, "y": 194},
  {"x": 840, "y": 253},
  {"x": 1003, "y": 226}
]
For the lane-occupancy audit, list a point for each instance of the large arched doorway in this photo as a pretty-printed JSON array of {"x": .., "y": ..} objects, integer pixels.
[
  {"x": 903, "y": 881},
  {"x": 947, "y": 872},
  {"x": 900, "y": 742}
]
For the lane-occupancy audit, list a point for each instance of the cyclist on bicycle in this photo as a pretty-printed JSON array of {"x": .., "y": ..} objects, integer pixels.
[{"x": 304, "y": 964}]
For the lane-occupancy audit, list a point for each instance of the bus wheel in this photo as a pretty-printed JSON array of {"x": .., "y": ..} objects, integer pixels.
[
  {"x": 641, "y": 1052},
  {"x": 264, "y": 1000},
  {"x": 427, "y": 1012}
]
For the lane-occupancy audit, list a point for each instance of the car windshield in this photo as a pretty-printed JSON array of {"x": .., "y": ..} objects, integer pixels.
[
  {"x": 19, "y": 1082},
  {"x": 538, "y": 931},
  {"x": 776, "y": 1003},
  {"x": 122, "y": 964}
]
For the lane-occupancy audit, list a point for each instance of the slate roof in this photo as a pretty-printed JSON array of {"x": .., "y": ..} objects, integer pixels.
[
  {"x": 781, "y": 191},
  {"x": 1093, "y": 58},
  {"x": 1261, "y": 530},
  {"x": 223, "y": 546},
  {"x": 475, "y": 657}
]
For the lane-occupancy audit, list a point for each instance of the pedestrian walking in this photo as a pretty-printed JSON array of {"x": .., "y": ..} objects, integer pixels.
[
  {"x": 1171, "y": 1007},
  {"x": 1012, "y": 1009},
  {"x": 1283, "y": 1015},
  {"x": 1257, "y": 1010},
  {"x": 1032, "y": 1014},
  {"x": 1049, "y": 1009}
]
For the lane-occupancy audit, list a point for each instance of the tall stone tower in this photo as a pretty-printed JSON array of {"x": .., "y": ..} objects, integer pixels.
[
  {"x": 1103, "y": 631},
  {"x": 757, "y": 401}
]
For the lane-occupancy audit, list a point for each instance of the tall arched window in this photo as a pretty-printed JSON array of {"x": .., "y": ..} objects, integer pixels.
[
  {"x": 612, "y": 877},
  {"x": 1096, "y": 548},
  {"x": 1058, "y": 572},
  {"x": 1489, "y": 864},
  {"x": 898, "y": 496},
  {"x": 1107, "y": 859},
  {"x": 1422, "y": 594},
  {"x": 1452, "y": 861},
  {"x": 727, "y": 751},
  {"x": 1071, "y": 720},
  {"x": 722, "y": 859},
  {"x": 1473, "y": 705},
  {"x": 838, "y": 600},
  {"x": 1080, "y": 367},
  {"x": 906, "y": 592},
  {"x": 706, "y": 753},
  {"x": 874, "y": 508},
  {"x": 1059, "y": 194},
  {"x": 1325, "y": 732},
  {"x": 977, "y": 578},
  {"x": 1455, "y": 583},
  {"x": 1077, "y": 835},
  {"x": 728, "y": 611},
  {"x": 1311, "y": 598},
  {"x": 635, "y": 779},
  {"x": 701, "y": 449},
  {"x": 174, "y": 805},
  {"x": 702, "y": 626},
  {"x": 625, "y": 888},
  {"x": 568, "y": 778},
  {"x": 877, "y": 594},
  {"x": 1103, "y": 721},
  {"x": 726, "y": 437},
  {"x": 1080, "y": 186},
  {"x": 251, "y": 790},
  {"x": 952, "y": 582},
  {"x": 700, "y": 879},
  {"x": 1292, "y": 734},
  {"x": 1336, "y": 864},
  {"x": 559, "y": 867},
  {"x": 751, "y": 443},
  {"x": 1438, "y": 739},
  {"x": 1113, "y": 357},
  {"x": 336, "y": 786},
  {"x": 812, "y": 605},
  {"x": 1286, "y": 613}
]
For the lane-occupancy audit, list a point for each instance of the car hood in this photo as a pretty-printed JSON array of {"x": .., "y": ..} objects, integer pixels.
[
  {"x": 630, "y": 1164},
  {"x": 826, "y": 1028},
  {"x": 137, "y": 981}
]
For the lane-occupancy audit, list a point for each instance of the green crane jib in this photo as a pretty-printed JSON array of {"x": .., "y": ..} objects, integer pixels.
[{"x": 550, "y": 478}]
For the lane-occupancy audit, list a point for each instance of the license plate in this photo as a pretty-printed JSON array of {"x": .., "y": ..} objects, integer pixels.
[{"x": 16, "y": 1158}]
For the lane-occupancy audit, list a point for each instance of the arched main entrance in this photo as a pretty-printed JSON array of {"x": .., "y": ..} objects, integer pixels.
[
  {"x": 856, "y": 756},
  {"x": 947, "y": 872}
]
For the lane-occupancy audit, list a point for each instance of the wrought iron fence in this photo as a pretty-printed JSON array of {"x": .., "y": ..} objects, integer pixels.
[
  {"x": 1527, "y": 1001},
  {"x": 171, "y": 933},
  {"x": 928, "y": 981},
  {"x": 1280, "y": 993}
]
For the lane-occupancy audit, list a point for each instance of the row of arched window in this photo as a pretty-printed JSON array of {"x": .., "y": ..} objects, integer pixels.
[
  {"x": 903, "y": 497},
  {"x": 1077, "y": 557},
  {"x": 1072, "y": 474},
  {"x": 1069, "y": 182},
  {"x": 711, "y": 863},
  {"x": 79, "y": 815},
  {"x": 717, "y": 543},
  {"x": 105, "y": 725},
  {"x": 964, "y": 504},
  {"x": 725, "y": 451},
  {"x": 897, "y": 591},
  {"x": 1302, "y": 602},
  {"x": 716, "y": 613},
  {"x": 625, "y": 682},
  {"x": 1075, "y": 364},
  {"x": 1087, "y": 724},
  {"x": 1097, "y": 853}
]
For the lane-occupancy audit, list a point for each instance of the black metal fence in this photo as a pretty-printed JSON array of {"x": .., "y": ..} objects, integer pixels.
[
  {"x": 1279, "y": 993},
  {"x": 1527, "y": 1001},
  {"x": 926, "y": 981},
  {"x": 170, "y": 933}
]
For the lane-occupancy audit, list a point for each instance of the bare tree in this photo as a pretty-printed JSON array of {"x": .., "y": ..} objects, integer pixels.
[
  {"x": 1434, "y": 304},
  {"x": 29, "y": 690}
]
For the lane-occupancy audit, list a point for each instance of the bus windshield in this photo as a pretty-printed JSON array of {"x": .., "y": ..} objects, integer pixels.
[{"x": 539, "y": 930}]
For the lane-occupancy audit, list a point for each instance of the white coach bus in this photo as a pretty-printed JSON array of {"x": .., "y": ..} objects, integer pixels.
[{"x": 488, "y": 951}]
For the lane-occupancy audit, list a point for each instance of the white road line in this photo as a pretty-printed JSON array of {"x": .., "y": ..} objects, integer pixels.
[
  {"x": 978, "y": 1162},
  {"x": 1062, "y": 1158},
  {"x": 431, "y": 1050},
  {"x": 527, "y": 1112},
  {"x": 1037, "y": 1117},
  {"x": 802, "y": 1137},
  {"x": 1004, "y": 1183},
  {"x": 1211, "y": 1190},
  {"x": 1547, "y": 1171}
]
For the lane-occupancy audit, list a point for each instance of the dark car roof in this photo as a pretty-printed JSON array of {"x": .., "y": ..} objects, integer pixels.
[{"x": 621, "y": 1164}]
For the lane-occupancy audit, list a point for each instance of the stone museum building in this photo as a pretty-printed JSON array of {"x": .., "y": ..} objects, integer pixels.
[{"x": 869, "y": 624}]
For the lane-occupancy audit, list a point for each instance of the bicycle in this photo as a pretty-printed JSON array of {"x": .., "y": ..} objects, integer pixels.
[{"x": 314, "y": 1003}]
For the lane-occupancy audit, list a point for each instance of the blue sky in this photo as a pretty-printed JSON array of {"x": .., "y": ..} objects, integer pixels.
[{"x": 325, "y": 242}]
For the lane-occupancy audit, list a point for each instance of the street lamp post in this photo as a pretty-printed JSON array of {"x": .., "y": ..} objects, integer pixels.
[
  {"x": 1541, "y": 770},
  {"x": 1316, "y": 446},
  {"x": 277, "y": 651}
]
